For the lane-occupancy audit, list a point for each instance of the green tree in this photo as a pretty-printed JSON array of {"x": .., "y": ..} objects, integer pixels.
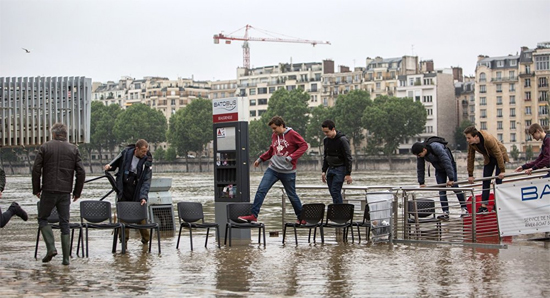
[
  {"x": 314, "y": 134},
  {"x": 160, "y": 154},
  {"x": 139, "y": 121},
  {"x": 170, "y": 154},
  {"x": 259, "y": 134},
  {"x": 191, "y": 128},
  {"x": 460, "y": 139},
  {"x": 391, "y": 120},
  {"x": 348, "y": 111},
  {"x": 514, "y": 153},
  {"x": 292, "y": 106},
  {"x": 529, "y": 153}
]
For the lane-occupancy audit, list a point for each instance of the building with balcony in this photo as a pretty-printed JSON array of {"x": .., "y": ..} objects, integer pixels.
[
  {"x": 512, "y": 94},
  {"x": 259, "y": 83}
]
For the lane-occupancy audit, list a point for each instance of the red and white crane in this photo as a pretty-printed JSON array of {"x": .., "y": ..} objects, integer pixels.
[{"x": 246, "y": 38}]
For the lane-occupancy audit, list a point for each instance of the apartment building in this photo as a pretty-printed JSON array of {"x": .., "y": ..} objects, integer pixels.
[
  {"x": 159, "y": 93},
  {"x": 436, "y": 91},
  {"x": 259, "y": 83},
  {"x": 512, "y": 94},
  {"x": 465, "y": 99},
  {"x": 223, "y": 89}
]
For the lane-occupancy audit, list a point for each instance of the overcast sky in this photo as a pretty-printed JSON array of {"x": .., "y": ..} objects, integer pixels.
[{"x": 108, "y": 39}]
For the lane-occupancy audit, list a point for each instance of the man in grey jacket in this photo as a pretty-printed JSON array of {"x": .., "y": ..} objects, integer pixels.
[
  {"x": 445, "y": 167},
  {"x": 57, "y": 163}
]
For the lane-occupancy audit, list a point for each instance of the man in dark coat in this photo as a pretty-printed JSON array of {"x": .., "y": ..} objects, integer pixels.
[
  {"x": 337, "y": 160},
  {"x": 57, "y": 163},
  {"x": 133, "y": 178}
]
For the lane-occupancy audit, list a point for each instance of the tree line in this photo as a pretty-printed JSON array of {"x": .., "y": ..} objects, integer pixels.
[{"x": 383, "y": 122}]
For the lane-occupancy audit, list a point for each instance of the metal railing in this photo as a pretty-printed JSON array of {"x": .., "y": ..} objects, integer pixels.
[{"x": 407, "y": 226}]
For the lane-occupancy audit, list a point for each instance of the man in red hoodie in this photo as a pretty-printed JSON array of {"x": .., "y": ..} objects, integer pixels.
[{"x": 286, "y": 147}]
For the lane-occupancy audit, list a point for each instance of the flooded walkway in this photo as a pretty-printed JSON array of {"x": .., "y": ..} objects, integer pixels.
[{"x": 334, "y": 269}]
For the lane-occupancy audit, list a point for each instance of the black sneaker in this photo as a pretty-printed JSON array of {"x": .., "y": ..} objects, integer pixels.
[
  {"x": 17, "y": 210},
  {"x": 444, "y": 216},
  {"x": 482, "y": 210}
]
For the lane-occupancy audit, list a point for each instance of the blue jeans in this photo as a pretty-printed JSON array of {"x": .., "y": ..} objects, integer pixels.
[
  {"x": 487, "y": 172},
  {"x": 441, "y": 177},
  {"x": 335, "y": 180},
  {"x": 270, "y": 177},
  {"x": 50, "y": 200}
]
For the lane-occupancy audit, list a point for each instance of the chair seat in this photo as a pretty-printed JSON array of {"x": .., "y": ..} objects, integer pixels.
[
  {"x": 199, "y": 225},
  {"x": 245, "y": 225},
  {"x": 101, "y": 226},
  {"x": 141, "y": 226}
]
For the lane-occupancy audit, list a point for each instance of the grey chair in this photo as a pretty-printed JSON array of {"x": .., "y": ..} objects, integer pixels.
[
  {"x": 365, "y": 223},
  {"x": 313, "y": 215},
  {"x": 131, "y": 214},
  {"x": 53, "y": 220},
  {"x": 235, "y": 210},
  {"x": 340, "y": 216},
  {"x": 191, "y": 216},
  {"x": 97, "y": 215},
  {"x": 419, "y": 213}
]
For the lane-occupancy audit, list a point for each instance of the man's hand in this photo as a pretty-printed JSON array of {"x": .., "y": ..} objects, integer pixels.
[
  {"x": 501, "y": 176},
  {"x": 256, "y": 163},
  {"x": 528, "y": 172},
  {"x": 75, "y": 198},
  {"x": 450, "y": 183},
  {"x": 471, "y": 180},
  {"x": 519, "y": 169},
  {"x": 143, "y": 202},
  {"x": 38, "y": 195},
  {"x": 107, "y": 167},
  {"x": 324, "y": 177},
  {"x": 348, "y": 179}
]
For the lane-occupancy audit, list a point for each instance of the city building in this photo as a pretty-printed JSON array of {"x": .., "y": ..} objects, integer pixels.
[{"x": 512, "y": 94}]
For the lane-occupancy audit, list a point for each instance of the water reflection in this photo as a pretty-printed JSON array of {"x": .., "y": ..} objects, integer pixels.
[{"x": 332, "y": 270}]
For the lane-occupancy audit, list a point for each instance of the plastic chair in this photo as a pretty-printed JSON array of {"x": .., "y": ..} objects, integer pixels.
[
  {"x": 365, "y": 223},
  {"x": 192, "y": 217},
  {"x": 131, "y": 214},
  {"x": 340, "y": 216},
  {"x": 235, "y": 210},
  {"x": 53, "y": 220},
  {"x": 97, "y": 215},
  {"x": 313, "y": 215},
  {"x": 420, "y": 212}
]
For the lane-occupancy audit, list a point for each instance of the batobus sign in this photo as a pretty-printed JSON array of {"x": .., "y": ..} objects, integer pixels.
[{"x": 230, "y": 109}]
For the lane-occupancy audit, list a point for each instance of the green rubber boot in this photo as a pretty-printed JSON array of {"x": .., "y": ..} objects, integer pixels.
[
  {"x": 47, "y": 234},
  {"x": 66, "y": 248}
]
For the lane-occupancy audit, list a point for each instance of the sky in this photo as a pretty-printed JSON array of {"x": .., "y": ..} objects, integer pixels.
[{"x": 108, "y": 39}]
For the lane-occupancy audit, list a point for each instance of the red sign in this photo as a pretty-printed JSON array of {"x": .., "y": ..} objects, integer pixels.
[{"x": 225, "y": 117}]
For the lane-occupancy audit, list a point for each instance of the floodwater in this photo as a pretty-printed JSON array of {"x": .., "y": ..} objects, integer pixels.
[{"x": 334, "y": 269}]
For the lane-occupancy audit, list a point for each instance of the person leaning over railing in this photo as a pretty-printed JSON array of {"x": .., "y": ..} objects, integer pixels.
[
  {"x": 543, "y": 160},
  {"x": 494, "y": 157}
]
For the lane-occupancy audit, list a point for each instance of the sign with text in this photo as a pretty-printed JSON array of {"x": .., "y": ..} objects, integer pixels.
[
  {"x": 230, "y": 109},
  {"x": 523, "y": 207}
]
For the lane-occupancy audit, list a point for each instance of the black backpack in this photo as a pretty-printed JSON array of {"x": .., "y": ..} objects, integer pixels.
[{"x": 440, "y": 140}]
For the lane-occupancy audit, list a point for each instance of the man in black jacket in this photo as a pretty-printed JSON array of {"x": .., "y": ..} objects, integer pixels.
[
  {"x": 133, "y": 178},
  {"x": 337, "y": 161},
  {"x": 57, "y": 163}
]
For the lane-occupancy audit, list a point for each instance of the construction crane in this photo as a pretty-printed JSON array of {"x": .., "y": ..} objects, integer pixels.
[{"x": 246, "y": 49}]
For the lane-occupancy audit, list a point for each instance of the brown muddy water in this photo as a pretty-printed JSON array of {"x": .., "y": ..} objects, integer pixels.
[{"x": 334, "y": 269}]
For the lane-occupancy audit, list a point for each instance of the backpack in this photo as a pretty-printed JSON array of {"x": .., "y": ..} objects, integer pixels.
[{"x": 440, "y": 140}]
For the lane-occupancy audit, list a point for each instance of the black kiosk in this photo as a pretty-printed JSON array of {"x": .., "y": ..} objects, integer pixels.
[{"x": 231, "y": 168}]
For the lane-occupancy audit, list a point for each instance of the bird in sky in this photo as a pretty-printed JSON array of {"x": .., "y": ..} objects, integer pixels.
[{"x": 27, "y": 51}]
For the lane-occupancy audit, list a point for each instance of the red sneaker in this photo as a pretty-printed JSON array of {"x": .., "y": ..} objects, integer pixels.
[
  {"x": 301, "y": 222},
  {"x": 248, "y": 218}
]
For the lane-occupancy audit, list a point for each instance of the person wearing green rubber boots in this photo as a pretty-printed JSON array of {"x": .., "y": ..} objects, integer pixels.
[{"x": 57, "y": 163}]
